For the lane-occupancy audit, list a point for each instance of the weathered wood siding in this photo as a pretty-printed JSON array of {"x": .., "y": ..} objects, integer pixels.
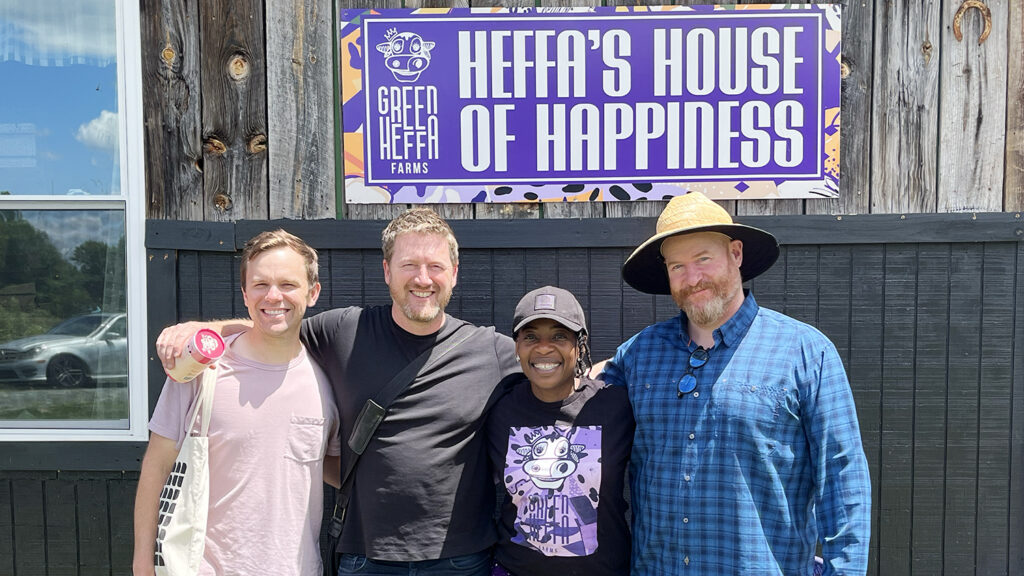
[{"x": 931, "y": 124}]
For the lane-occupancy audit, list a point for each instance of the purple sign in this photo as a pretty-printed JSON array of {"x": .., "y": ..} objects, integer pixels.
[{"x": 461, "y": 105}]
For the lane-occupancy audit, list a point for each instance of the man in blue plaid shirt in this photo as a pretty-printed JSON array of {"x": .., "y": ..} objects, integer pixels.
[{"x": 747, "y": 451}]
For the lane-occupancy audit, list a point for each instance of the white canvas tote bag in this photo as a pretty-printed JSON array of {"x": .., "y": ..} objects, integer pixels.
[{"x": 184, "y": 501}]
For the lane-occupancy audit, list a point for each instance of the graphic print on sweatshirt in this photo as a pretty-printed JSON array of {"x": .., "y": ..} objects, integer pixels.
[{"x": 553, "y": 475}]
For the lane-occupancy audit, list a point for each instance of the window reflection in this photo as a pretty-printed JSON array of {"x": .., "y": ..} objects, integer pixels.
[
  {"x": 63, "y": 327},
  {"x": 59, "y": 127}
]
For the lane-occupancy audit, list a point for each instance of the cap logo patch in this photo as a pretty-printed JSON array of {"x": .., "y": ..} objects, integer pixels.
[{"x": 544, "y": 302}]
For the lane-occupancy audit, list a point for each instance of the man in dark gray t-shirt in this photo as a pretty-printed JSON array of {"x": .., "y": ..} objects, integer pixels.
[{"x": 422, "y": 499}]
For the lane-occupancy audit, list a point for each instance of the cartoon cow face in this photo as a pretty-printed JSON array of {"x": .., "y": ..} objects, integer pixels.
[
  {"x": 550, "y": 459},
  {"x": 406, "y": 54}
]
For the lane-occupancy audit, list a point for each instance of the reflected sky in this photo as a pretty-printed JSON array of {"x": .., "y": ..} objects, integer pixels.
[
  {"x": 67, "y": 229},
  {"x": 59, "y": 128}
]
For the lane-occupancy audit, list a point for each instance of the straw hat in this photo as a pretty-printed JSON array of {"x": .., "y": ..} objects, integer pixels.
[{"x": 686, "y": 214}]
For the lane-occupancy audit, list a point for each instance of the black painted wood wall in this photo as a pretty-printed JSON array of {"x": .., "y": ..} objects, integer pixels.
[{"x": 927, "y": 312}]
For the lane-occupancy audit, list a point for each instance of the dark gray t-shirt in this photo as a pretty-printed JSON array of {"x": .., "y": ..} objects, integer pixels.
[{"x": 422, "y": 489}]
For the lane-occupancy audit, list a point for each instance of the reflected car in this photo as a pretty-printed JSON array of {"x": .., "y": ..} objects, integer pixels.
[{"x": 79, "y": 351}]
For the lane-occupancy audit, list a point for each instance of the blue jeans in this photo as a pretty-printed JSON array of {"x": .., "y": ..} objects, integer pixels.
[{"x": 478, "y": 564}]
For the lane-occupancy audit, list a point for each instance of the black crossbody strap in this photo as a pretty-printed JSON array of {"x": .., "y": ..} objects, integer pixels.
[{"x": 375, "y": 409}]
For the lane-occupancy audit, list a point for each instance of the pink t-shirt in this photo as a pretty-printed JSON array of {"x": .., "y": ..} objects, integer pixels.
[{"x": 270, "y": 429}]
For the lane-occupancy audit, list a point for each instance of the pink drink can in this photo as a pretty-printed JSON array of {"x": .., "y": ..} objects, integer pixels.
[{"x": 204, "y": 347}]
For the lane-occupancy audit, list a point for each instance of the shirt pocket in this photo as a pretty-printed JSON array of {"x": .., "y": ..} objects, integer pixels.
[
  {"x": 305, "y": 439},
  {"x": 747, "y": 405}
]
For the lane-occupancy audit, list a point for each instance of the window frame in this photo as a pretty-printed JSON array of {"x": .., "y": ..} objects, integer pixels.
[{"x": 130, "y": 201}]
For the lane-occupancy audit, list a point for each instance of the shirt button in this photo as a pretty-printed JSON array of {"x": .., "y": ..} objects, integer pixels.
[
  {"x": 696, "y": 394},
  {"x": 687, "y": 477},
  {"x": 686, "y": 560},
  {"x": 648, "y": 385},
  {"x": 686, "y": 520},
  {"x": 692, "y": 436}
]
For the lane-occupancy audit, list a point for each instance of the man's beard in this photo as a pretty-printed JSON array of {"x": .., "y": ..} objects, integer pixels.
[
  {"x": 424, "y": 314},
  {"x": 712, "y": 312}
]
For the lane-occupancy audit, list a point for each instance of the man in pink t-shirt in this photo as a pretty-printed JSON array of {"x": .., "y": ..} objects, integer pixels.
[{"x": 274, "y": 425}]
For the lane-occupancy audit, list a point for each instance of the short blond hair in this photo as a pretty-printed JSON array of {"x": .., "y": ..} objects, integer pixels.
[
  {"x": 422, "y": 221},
  {"x": 274, "y": 239}
]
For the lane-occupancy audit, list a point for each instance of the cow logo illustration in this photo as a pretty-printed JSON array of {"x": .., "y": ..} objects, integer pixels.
[
  {"x": 553, "y": 477},
  {"x": 550, "y": 458},
  {"x": 406, "y": 54}
]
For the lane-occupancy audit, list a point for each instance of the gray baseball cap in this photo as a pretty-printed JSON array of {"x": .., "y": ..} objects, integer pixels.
[{"x": 552, "y": 303}]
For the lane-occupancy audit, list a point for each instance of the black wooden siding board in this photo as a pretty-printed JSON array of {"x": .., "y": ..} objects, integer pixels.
[
  {"x": 191, "y": 235},
  {"x": 161, "y": 309},
  {"x": 221, "y": 292},
  {"x": 540, "y": 268},
  {"x": 474, "y": 288},
  {"x": 93, "y": 456},
  {"x": 588, "y": 232},
  {"x": 833, "y": 293},
  {"x": 769, "y": 289},
  {"x": 121, "y": 496},
  {"x": 865, "y": 368},
  {"x": 29, "y": 526},
  {"x": 995, "y": 408},
  {"x": 93, "y": 527},
  {"x": 190, "y": 289},
  {"x": 323, "y": 271},
  {"x": 965, "y": 289},
  {"x": 344, "y": 286},
  {"x": 802, "y": 283},
  {"x": 897, "y": 400},
  {"x": 929, "y": 434},
  {"x": 6, "y": 527},
  {"x": 61, "y": 528},
  {"x": 572, "y": 272},
  {"x": 1015, "y": 518},
  {"x": 509, "y": 280},
  {"x": 375, "y": 289},
  {"x": 606, "y": 298}
]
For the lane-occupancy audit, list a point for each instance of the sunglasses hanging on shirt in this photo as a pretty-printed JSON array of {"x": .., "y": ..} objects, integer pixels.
[{"x": 688, "y": 382}]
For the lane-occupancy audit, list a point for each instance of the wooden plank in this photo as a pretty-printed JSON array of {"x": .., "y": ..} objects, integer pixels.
[
  {"x": 93, "y": 527},
  {"x": 542, "y": 269},
  {"x": 867, "y": 313},
  {"x": 475, "y": 288},
  {"x": 972, "y": 129},
  {"x": 1016, "y": 520},
  {"x": 572, "y": 209},
  {"x": 29, "y": 517},
  {"x": 161, "y": 310},
  {"x": 121, "y": 498},
  {"x": 171, "y": 92},
  {"x": 6, "y": 526},
  {"x": 234, "y": 100},
  {"x": 835, "y": 281},
  {"x": 375, "y": 289},
  {"x": 1014, "y": 179},
  {"x": 508, "y": 278},
  {"x": 61, "y": 527},
  {"x": 769, "y": 289},
  {"x": 904, "y": 134},
  {"x": 190, "y": 294},
  {"x": 219, "y": 283},
  {"x": 959, "y": 527},
  {"x": 345, "y": 280},
  {"x": 929, "y": 433},
  {"x": 769, "y": 207},
  {"x": 802, "y": 283},
  {"x": 572, "y": 269},
  {"x": 179, "y": 235},
  {"x": 36, "y": 457},
  {"x": 855, "y": 103},
  {"x": 606, "y": 288},
  {"x": 995, "y": 410},
  {"x": 897, "y": 400},
  {"x": 300, "y": 105}
]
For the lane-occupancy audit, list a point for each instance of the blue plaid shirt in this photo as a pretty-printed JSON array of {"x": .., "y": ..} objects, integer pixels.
[{"x": 745, "y": 474}]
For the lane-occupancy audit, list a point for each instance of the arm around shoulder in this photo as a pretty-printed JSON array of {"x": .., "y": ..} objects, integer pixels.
[{"x": 172, "y": 340}]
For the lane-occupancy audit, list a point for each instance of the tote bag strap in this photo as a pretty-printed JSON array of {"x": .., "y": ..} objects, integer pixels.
[{"x": 202, "y": 408}]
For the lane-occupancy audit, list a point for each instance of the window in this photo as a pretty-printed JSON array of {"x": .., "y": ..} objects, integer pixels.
[{"x": 72, "y": 285}]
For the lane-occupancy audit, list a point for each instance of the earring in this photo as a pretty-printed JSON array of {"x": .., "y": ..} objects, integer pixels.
[{"x": 517, "y": 357}]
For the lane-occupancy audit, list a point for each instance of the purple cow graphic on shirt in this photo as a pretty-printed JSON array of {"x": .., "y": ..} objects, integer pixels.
[{"x": 550, "y": 458}]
